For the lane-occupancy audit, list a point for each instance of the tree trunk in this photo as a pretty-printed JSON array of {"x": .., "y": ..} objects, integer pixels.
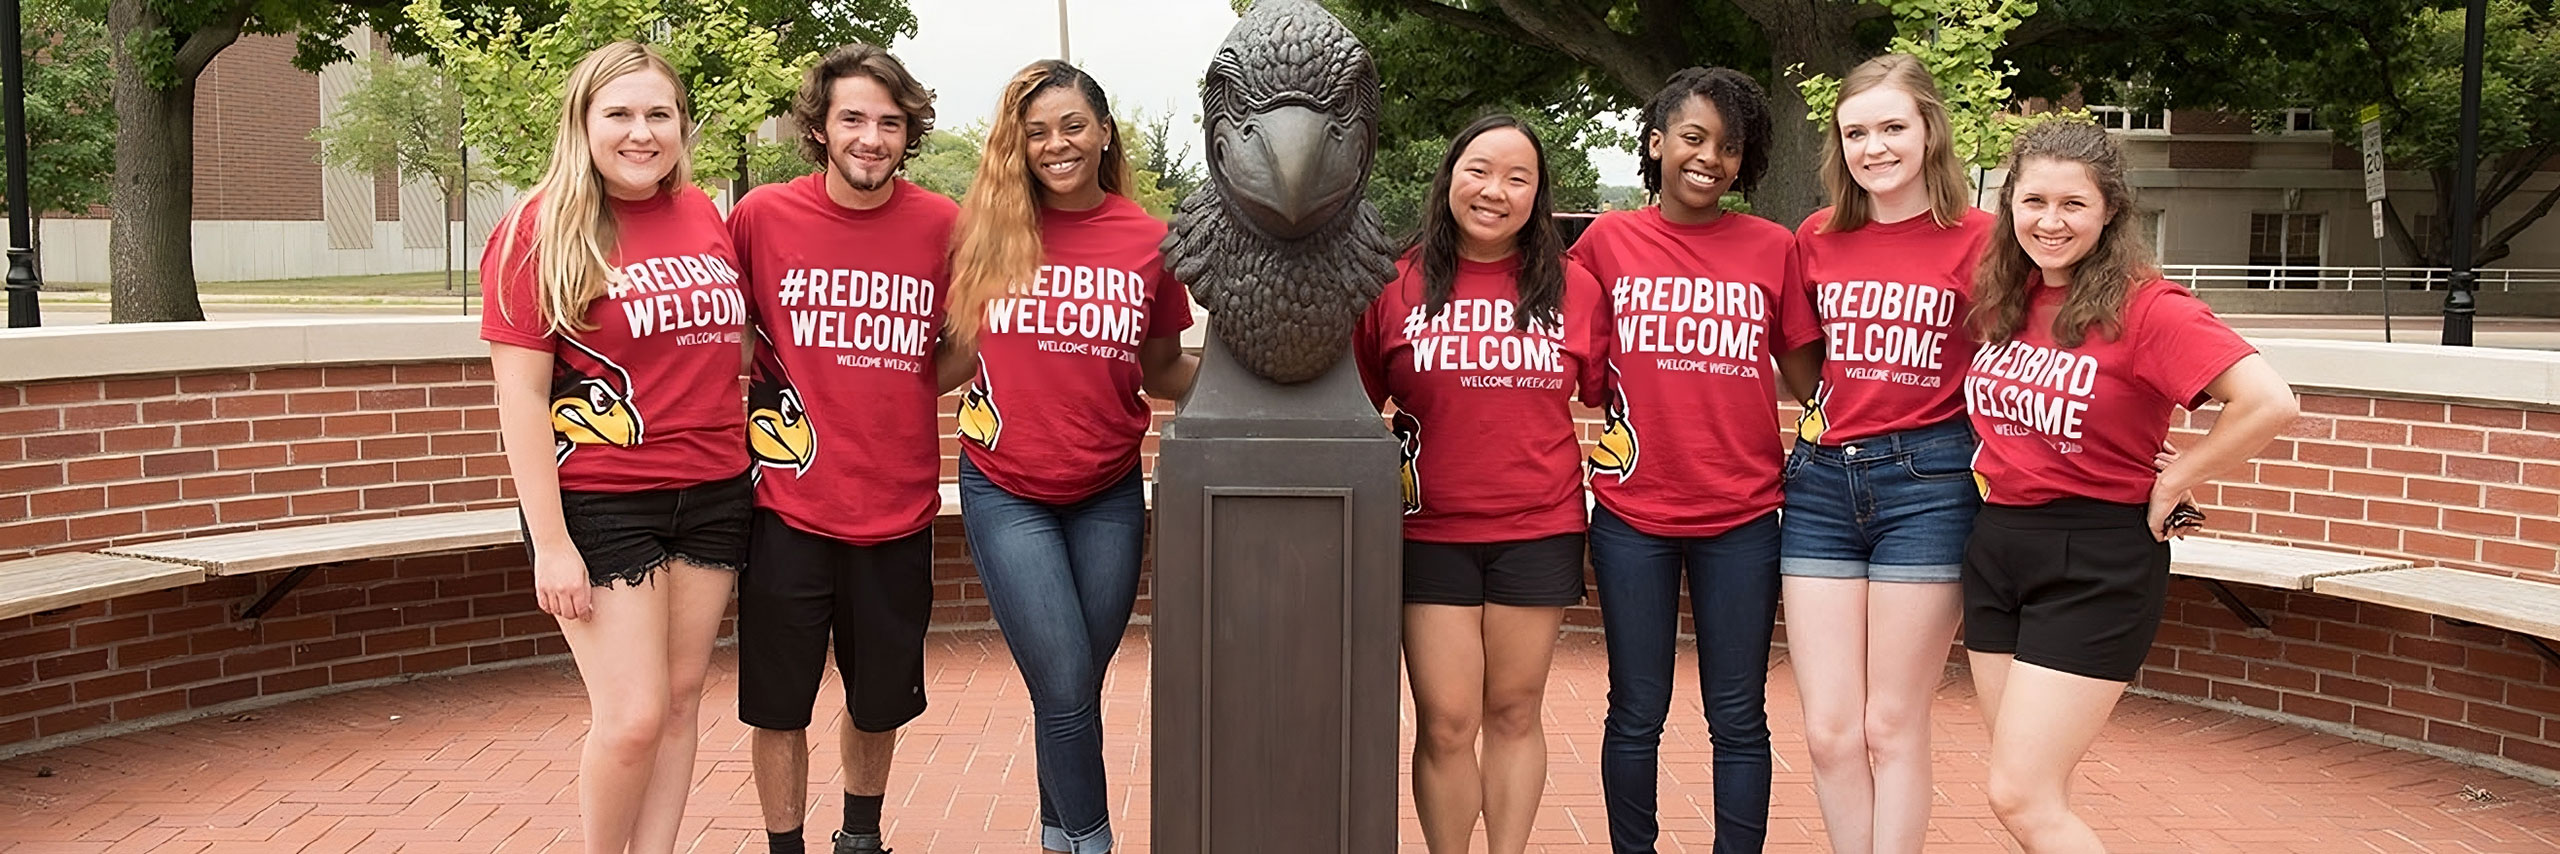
[
  {"x": 150, "y": 261},
  {"x": 1820, "y": 42}
]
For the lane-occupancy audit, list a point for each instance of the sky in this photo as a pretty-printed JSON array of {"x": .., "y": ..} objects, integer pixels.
[{"x": 1148, "y": 55}]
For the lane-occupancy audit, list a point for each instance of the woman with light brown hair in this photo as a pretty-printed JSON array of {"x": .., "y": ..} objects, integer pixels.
[
  {"x": 1879, "y": 498},
  {"x": 614, "y": 321},
  {"x": 2085, "y": 353},
  {"x": 1058, "y": 285}
]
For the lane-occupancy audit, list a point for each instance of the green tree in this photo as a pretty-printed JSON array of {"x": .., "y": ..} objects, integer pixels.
[
  {"x": 404, "y": 117},
  {"x": 1959, "y": 42},
  {"x": 158, "y": 50},
  {"x": 1148, "y": 190},
  {"x": 2336, "y": 56},
  {"x": 70, "y": 141},
  {"x": 1571, "y": 60},
  {"x": 510, "y": 69},
  {"x": 1168, "y": 158},
  {"x": 949, "y": 159}
]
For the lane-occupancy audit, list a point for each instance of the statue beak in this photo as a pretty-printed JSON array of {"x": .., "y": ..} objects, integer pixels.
[{"x": 1292, "y": 167}]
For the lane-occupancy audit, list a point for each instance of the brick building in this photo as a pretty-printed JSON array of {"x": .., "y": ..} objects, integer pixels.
[
  {"x": 264, "y": 207},
  {"x": 2214, "y": 190}
]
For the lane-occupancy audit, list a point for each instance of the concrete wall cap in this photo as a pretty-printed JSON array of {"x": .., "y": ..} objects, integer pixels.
[
  {"x": 2491, "y": 376},
  {"x": 84, "y": 352},
  {"x": 2488, "y": 376}
]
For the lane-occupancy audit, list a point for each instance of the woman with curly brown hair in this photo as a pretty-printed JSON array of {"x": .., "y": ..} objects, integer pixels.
[{"x": 2085, "y": 352}]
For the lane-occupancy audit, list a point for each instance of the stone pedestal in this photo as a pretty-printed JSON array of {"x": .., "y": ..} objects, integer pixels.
[{"x": 1277, "y": 617}]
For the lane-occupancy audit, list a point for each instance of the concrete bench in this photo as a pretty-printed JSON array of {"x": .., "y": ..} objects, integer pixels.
[
  {"x": 31, "y": 585},
  {"x": 2530, "y": 609},
  {"x": 2219, "y": 563},
  {"x": 307, "y": 548},
  {"x": 35, "y": 584},
  {"x": 336, "y": 542}
]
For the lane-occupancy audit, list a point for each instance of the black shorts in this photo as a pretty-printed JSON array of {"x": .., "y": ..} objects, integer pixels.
[
  {"x": 1541, "y": 573},
  {"x": 2075, "y": 585},
  {"x": 625, "y": 536},
  {"x": 800, "y": 587}
]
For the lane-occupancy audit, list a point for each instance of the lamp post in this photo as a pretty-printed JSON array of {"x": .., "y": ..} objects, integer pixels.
[
  {"x": 1063, "y": 55},
  {"x": 2459, "y": 304},
  {"x": 23, "y": 281}
]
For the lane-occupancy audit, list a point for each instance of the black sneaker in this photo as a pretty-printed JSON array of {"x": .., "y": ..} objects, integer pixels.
[{"x": 858, "y": 843}]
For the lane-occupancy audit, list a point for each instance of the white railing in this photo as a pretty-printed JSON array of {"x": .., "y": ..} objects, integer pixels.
[{"x": 2352, "y": 278}]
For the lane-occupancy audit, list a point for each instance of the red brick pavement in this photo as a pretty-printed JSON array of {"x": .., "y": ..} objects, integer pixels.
[{"x": 485, "y": 763}]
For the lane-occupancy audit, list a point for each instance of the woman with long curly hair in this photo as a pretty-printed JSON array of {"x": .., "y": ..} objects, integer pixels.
[
  {"x": 1057, "y": 284},
  {"x": 2085, "y": 352}
]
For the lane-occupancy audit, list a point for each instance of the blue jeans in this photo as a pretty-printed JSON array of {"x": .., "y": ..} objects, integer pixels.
[
  {"x": 1061, "y": 579},
  {"x": 1894, "y": 508},
  {"x": 1733, "y": 598}
]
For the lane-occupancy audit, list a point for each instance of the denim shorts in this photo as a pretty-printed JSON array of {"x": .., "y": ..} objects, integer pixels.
[
  {"x": 626, "y": 536},
  {"x": 1895, "y": 507}
]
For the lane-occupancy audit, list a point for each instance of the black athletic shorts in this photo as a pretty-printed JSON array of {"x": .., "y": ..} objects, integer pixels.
[
  {"x": 798, "y": 589},
  {"x": 2075, "y": 585},
  {"x": 625, "y": 536},
  {"x": 1540, "y": 573}
]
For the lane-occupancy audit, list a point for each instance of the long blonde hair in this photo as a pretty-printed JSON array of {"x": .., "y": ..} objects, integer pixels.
[
  {"x": 1940, "y": 171},
  {"x": 573, "y": 227},
  {"x": 996, "y": 246},
  {"x": 2102, "y": 281}
]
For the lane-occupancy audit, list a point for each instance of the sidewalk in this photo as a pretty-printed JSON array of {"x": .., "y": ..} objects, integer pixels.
[{"x": 486, "y": 763}]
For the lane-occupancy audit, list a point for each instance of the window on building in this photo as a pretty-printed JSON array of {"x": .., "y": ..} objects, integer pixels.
[
  {"x": 2284, "y": 250},
  {"x": 2303, "y": 120},
  {"x": 2119, "y": 118}
]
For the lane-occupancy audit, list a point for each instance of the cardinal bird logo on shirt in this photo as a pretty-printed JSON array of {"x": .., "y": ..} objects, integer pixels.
[
  {"x": 778, "y": 430},
  {"x": 980, "y": 421},
  {"x": 1980, "y": 484},
  {"x": 591, "y": 402},
  {"x": 1812, "y": 425},
  {"x": 1615, "y": 452},
  {"x": 1408, "y": 430}
]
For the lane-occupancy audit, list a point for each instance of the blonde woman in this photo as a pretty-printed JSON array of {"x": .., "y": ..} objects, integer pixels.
[
  {"x": 614, "y": 318},
  {"x": 1879, "y": 491},
  {"x": 1057, "y": 283}
]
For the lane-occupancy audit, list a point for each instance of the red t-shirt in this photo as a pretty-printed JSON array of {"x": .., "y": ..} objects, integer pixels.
[
  {"x": 1697, "y": 314},
  {"x": 649, "y": 398},
  {"x": 1056, "y": 413},
  {"x": 847, "y": 307},
  {"x": 1892, "y": 299},
  {"x": 1484, "y": 409},
  {"x": 2086, "y": 422}
]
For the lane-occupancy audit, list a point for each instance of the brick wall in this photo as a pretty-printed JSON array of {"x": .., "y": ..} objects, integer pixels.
[
  {"x": 2436, "y": 483},
  {"x": 2460, "y": 485},
  {"x": 254, "y": 116},
  {"x": 95, "y": 462},
  {"x": 92, "y": 463},
  {"x": 170, "y": 652}
]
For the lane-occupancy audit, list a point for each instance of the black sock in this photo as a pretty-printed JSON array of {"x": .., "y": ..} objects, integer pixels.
[
  {"x": 786, "y": 841},
  {"x": 862, "y": 813}
]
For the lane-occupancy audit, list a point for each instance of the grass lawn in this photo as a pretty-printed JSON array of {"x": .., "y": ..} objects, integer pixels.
[{"x": 389, "y": 285}]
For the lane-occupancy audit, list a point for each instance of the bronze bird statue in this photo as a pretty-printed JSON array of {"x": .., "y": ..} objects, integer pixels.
[{"x": 1279, "y": 245}]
